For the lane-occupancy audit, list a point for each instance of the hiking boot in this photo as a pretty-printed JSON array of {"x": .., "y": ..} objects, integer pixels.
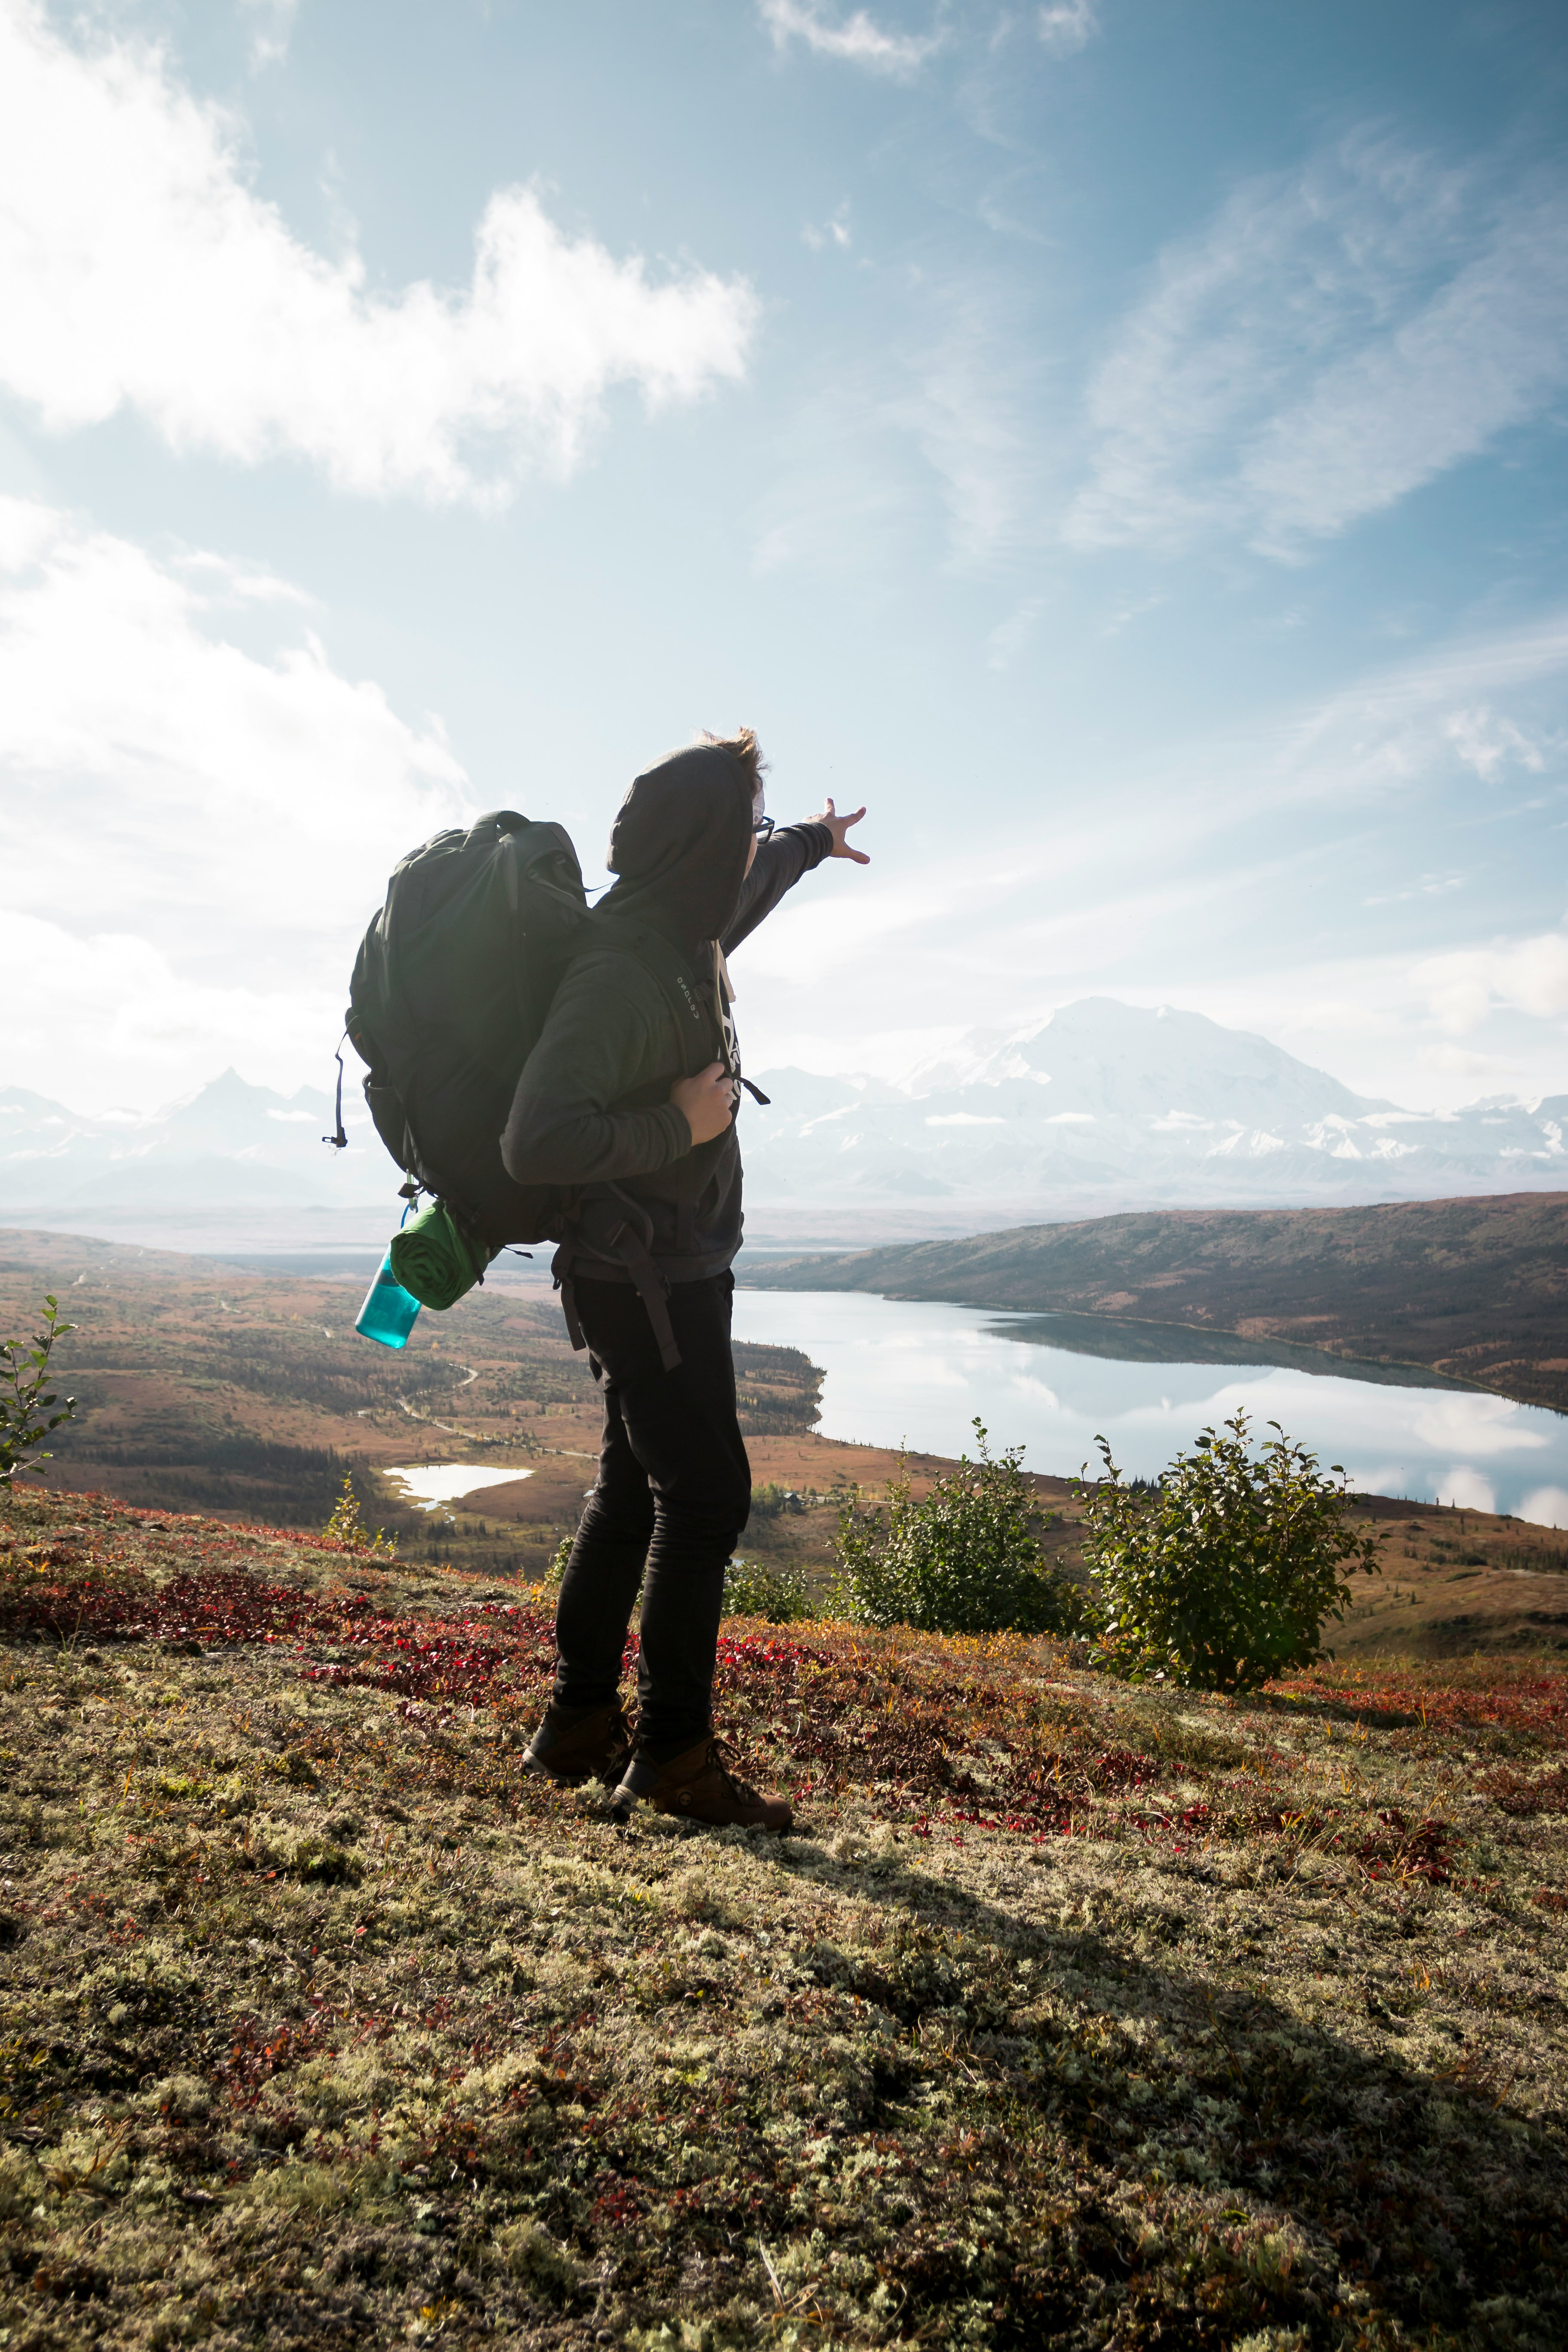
[
  {"x": 576, "y": 1743},
  {"x": 697, "y": 1787}
]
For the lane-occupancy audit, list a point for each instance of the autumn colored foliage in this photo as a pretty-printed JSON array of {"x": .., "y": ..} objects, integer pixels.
[{"x": 1073, "y": 2011}]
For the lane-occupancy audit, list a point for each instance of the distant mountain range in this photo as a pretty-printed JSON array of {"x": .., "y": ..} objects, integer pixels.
[
  {"x": 1102, "y": 1106},
  {"x": 1105, "y": 1105},
  {"x": 231, "y": 1145}
]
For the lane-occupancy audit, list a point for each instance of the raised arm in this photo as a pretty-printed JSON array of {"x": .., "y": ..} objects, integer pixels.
[{"x": 780, "y": 861}]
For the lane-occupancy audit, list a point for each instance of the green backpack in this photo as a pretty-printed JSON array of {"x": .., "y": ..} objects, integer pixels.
[{"x": 451, "y": 991}]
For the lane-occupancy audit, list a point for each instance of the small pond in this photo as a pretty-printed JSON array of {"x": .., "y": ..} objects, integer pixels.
[{"x": 431, "y": 1484}]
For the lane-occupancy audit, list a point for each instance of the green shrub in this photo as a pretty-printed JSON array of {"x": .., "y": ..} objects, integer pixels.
[
  {"x": 347, "y": 1526},
  {"x": 780, "y": 1594},
  {"x": 965, "y": 1560},
  {"x": 1223, "y": 1574},
  {"x": 768, "y": 1500},
  {"x": 25, "y": 1416},
  {"x": 750, "y": 1589}
]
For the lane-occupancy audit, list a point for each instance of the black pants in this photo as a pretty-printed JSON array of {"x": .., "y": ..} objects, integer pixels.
[{"x": 674, "y": 1489}]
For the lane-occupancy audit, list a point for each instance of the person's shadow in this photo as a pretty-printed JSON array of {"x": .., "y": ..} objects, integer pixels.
[{"x": 1183, "y": 2143}]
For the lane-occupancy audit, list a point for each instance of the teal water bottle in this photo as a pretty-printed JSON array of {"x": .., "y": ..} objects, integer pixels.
[{"x": 389, "y": 1310}]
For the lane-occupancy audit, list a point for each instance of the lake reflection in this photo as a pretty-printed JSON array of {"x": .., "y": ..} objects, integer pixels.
[{"x": 899, "y": 1371}]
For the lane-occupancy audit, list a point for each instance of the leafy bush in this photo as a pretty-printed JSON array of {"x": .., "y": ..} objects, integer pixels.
[
  {"x": 965, "y": 1560},
  {"x": 25, "y": 1416},
  {"x": 347, "y": 1526},
  {"x": 779, "y": 1594},
  {"x": 1223, "y": 1574}
]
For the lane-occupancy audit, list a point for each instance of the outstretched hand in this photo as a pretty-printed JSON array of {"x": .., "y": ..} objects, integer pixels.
[{"x": 838, "y": 827}]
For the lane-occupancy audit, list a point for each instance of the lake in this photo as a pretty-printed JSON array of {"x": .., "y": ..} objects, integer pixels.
[
  {"x": 432, "y": 1484},
  {"x": 902, "y": 1373}
]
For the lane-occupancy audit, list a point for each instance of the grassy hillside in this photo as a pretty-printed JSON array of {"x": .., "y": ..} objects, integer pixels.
[
  {"x": 1475, "y": 1289},
  {"x": 208, "y": 1387},
  {"x": 246, "y": 1396},
  {"x": 1070, "y": 2015}
]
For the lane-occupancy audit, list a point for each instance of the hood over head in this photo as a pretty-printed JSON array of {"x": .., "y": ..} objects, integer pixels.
[{"x": 680, "y": 841}]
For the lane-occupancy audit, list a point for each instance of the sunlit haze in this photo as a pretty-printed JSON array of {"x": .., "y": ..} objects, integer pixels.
[{"x": 1121, "y": 442}]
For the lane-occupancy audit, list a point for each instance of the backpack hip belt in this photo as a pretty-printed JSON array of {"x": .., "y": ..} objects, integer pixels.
[{"x": 630, "y": 1239}]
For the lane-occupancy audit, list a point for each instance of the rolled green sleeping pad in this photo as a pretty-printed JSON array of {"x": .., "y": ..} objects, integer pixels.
[{"x": 433, "y": 1261}]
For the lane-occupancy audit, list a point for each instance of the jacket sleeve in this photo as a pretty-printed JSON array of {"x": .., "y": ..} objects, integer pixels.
[
  {"x": 780, "y": 861},
  {"x": 602, "y": 1041}
]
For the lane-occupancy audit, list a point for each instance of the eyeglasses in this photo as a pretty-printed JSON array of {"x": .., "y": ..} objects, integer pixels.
[{"x": 763, "y": 827}]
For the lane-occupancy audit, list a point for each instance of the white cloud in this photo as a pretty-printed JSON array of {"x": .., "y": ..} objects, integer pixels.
[
  {"x": 858, "y": 39},
  {"x": 138, "y": 269},
  {"x": 271, "y": 25},
  {"x": 194, "y": 836},
  {"x": 950, "y": 411},
  {"x": 1547, "y": 1507},
  {"x": 1191, "y": 872},
  {"x": 1334, "y": 339},
  {"x": 1067, "y": 26},
  {"x": 1394, "y": 733},
  {"x": 1527, "y": 975},
  {"x": 1460, "y": 1489},
  {"x": 967, "y": 406},
  {"x": 1488, "y": 744},
  {"x": 833, "y": 232},
  {"x": 118, "y": 1013}
]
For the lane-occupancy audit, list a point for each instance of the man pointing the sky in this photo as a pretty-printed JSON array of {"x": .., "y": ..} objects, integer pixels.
[{"x": 608, "y": 1103}]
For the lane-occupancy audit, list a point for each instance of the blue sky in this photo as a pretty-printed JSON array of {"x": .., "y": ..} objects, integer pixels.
[{"x": 1123, "y": 441}]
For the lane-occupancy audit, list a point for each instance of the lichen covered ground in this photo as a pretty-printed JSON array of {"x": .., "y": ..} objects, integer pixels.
[{"x": 1069, "y": 2015}]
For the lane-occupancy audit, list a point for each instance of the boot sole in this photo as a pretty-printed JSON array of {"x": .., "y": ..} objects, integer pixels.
[
  {"x": 609, "y": 1770},
  {"x": 730, "y": 1822}
]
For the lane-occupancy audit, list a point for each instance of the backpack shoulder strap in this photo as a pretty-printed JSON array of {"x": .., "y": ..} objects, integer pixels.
[{"x": 673, "y": 977}]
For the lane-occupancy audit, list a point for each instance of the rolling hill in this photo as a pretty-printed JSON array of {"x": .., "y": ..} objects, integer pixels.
[{"x": 1476, "y": 1289}]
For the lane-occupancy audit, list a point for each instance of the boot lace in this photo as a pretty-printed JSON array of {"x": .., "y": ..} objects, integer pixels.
[{"x": 741, "y": 1791}]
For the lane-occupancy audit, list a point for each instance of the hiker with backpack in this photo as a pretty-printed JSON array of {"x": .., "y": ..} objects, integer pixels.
[
  {"x": 548, "y": 1071},
  {"x": 608, "y": 1102}
]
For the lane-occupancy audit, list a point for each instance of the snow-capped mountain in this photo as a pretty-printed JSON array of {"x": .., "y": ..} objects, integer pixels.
[
  {"x": 1103, "y": 1106},
  {"x": 229, "y": 1146}
]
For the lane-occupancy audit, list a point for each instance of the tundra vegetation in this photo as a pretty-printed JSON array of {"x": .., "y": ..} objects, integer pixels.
[
  {"x": 1076, "y": 2011},
  {"x": 204, "y": 1386},
  {"x": 779, "y": 1595},
  {"x": 247, "y": 1396},
  {"x": 1223, "y": 1574},
  {"x": 347, "y": 1525},
  {"x": 964, "y": 1558},
  {"x": 26, "y": 1396}
]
